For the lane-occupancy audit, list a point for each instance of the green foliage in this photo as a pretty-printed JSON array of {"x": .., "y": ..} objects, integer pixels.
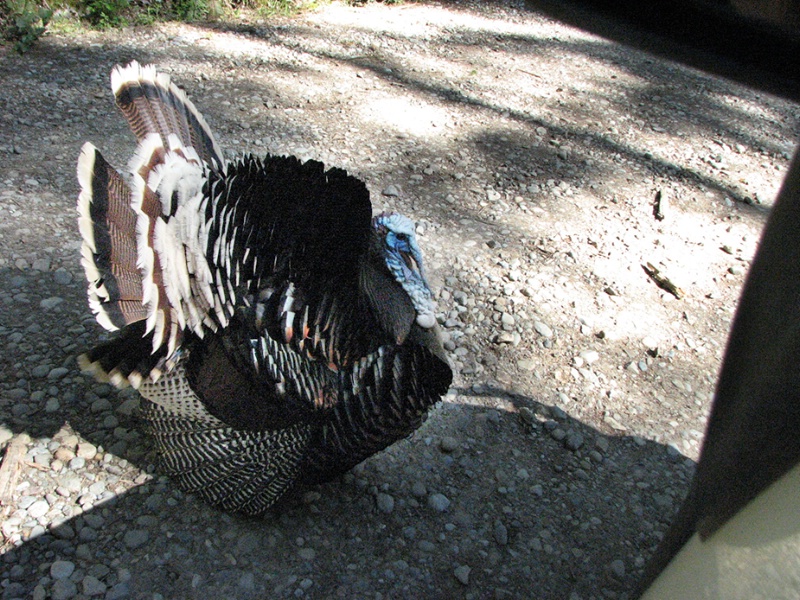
[
  {"x": 190, "y": 10},
  {"x": 104, "y": 13},
  {"x": 24, "y": 22}
]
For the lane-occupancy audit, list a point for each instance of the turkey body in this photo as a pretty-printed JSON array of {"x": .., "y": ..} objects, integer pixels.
[{"x": 278, "y": 333}]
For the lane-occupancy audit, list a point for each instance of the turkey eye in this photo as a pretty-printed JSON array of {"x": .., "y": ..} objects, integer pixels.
[{"x": 402, "y": 237}]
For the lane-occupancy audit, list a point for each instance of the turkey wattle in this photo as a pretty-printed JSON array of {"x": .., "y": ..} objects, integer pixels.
[{"x": 278, "y": 333}]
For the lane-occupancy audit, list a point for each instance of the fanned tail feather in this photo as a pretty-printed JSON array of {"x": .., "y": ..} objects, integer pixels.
[
  {"x": 137, "y": 231},
  {"x": 109, "y": 255},
  {"x": 153, "y": 104}
]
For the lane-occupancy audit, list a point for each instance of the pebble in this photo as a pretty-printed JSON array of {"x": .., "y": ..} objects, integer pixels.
[
  {"x": 57, "y": 373},
  {"x": 438, "y": 502},
  {"x": 307, "y": 553},
  {"x": 448, "y": 444},
  {"x": 617, "y": 568},
  {"x": 92, "y": 586},
  {"x": 462, "y": 574},
  {"x": 391, "y": 190},
  {"x": 38, "y": 509},
  {"x": 61, "y": 569},
  {"x": 61, "y": 276},
  {"x": 86, "y": 450},
  {"x": 543, "y": 329},
  {"x": 50, "y": 303},
  {"x": 419, "y": 490},
  {"x": 501, "y": 534},
  {"x": 63, "y": 589},
  {"x": 573, "y": 440},
  {"x": 135, "y": 538},
  {"x": 526, "y": 364},
  {"x": 385, "y": 503}
]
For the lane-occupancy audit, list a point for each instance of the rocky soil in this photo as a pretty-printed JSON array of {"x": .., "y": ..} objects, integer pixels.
[{"x": 532, "y": 157}]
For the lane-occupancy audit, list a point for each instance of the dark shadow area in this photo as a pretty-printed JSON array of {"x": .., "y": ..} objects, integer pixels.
[
  {"x": 744, "y": 43},
  {"x": 567, "y": 502}
]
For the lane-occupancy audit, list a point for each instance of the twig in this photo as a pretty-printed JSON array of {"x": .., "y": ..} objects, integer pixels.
[
  {"x": 663, "y": 281},
  {"x": 529, "y": 73},
  {"x": 11, "y": 468},
  {"x": 660, "y": 207}
]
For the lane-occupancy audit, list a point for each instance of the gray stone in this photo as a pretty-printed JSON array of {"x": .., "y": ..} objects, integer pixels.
[
  {"x": 448, "y": 444},
  {"x": 92, "y": 586},
  {"x": 526, "y": 364},
  {"x": 462, "y": 574},
  {"x": 617, "y": 568},
  {"x": 438, "y": 502},
  {"x": 501, "y": 534},
  {"x": 135, "y": 538},
  {"x": 543, "y": 329},
  {"x": 50, "y": 303},
  {"x": 41, "y": 264},
  {"x": 61, "y": 569},
  {"x": 63, "y": 589},
  {"x": 419, "y": 490},
  {"x": 57, "y": 373},
  {"x": 307, "y": 553},
  {"x": 385, "y": 503},
  {"x": 62, "y": 277},
  {"x": 391, "y": 190}
]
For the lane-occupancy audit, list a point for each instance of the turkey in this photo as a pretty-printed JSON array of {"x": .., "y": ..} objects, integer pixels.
[{"x": 278, "y": 333}]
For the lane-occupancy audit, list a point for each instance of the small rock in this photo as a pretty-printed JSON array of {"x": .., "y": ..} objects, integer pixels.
[
  {"x": 590, "y": 356},
  {"x": 419, "y": 490},
  {"x": 38, "y": 509},
  {"x": 63, "y": 589},
  {"x": 86, "y": 450},
  {"x": 41, "y": 264},
  {"x": 542, "y": 329},
  {"x": 62, "y": 277},
  {"x": 92, "y": 586},
  {"x": 50, "y": 303},
  {"x": 438, "y": 502},
  {"x": 307, "y": 553},
  {"x": 617, "y": 568},
  {"x": 448, "y": 444},
  {"x": 573, "y": 441},
  {"x": 61, "y": 569},
  {"x": 505, "y": 337},
  {"x": 136, "y": 538},
  {"x": 462, "y": 574},
  {"x": 391, "y": 190},
  {"x": 526, "y": 364},
  {"x": 501, "y": 534},
  {"x": 385, "y": 503},
  {"x": 57, "y": 373}
]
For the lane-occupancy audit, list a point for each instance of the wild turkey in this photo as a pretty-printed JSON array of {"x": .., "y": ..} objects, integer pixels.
[{"x": 278, "y": 333}]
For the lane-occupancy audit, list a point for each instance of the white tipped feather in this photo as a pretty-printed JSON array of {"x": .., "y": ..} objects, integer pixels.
[
  {"x": 85, "y": 170},
  {"x": 135, "y": 73}
]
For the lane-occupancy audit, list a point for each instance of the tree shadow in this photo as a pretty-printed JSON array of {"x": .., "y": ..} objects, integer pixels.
[{"x": 538, "y": 501}]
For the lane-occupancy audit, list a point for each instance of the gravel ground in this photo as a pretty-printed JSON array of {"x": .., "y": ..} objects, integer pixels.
[{"x": 531, "y": 156}]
